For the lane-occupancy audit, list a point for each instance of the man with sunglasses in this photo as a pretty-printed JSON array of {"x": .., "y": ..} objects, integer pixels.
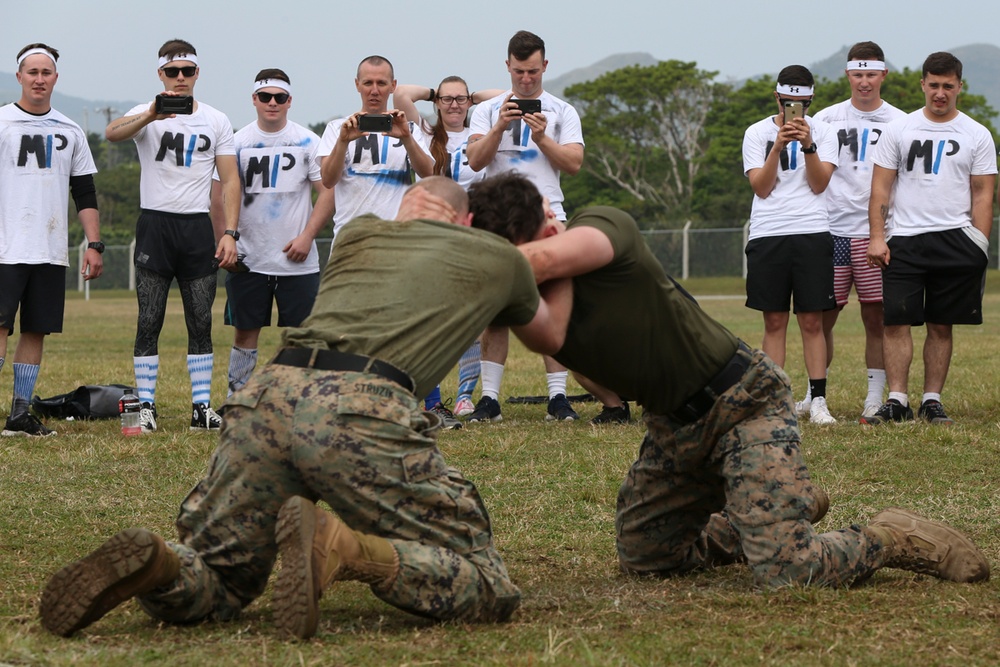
[
  {"x": 278, "y": 223},
  {"x": 45, "y": 158},
  {"x": 178, "y": 152},
  {"x": 789, "y": 159}
]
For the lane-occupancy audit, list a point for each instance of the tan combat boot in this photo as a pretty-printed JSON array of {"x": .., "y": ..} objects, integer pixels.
[
  {"x": 133, "y": 562},
  {"x": 929, "y": 547},
  {"x": 317, "y": 549}
]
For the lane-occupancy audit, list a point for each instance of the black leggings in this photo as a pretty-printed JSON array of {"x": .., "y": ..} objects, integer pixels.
[{"x": 198, "y": 295}]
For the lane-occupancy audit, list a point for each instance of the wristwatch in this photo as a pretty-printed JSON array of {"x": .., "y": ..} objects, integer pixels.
[
  {"x": 232, "y": 232},
  {"x": 812, "y": 149},
  {"x": 96, "y": 245}
]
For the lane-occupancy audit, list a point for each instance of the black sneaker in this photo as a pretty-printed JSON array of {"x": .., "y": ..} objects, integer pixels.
[
  {"x": 26, "y": 424},
  {"x": 933, "y": 412},
  {"x": 619, "y": 415},
  {"x": 147, "y": 418},
  {"x": 891, "y": 411},
  {"x": 204, "y": 418},
  {"x": 448, "y": 420},
  {"x": 487, "y": 410},
  {"x": 561, "y": 410}
]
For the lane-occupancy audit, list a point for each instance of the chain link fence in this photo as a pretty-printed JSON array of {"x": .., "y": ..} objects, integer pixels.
[{"x": 684, "y": 253}]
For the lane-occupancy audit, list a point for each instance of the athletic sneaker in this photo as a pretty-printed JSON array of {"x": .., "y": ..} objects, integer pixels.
[
  {"x": 933, "y": 412},
  {"x": 26, "y": 424},
  {"x": 619, "y": 415},
  {"x": 871, "y": 407},
  {"x": 204, "y": 418},
  {"x": 487, "y": 410},
  {"x": 561, "y": 410},
  {"x": 464, "y": 407},
  {"x": 802, "y": 407},
  {"x": 147, "y": 417},
  {"x": 891, "y": 411},
  {"x": 448, "y": 420},
  {"x": 819, "y": 413}
]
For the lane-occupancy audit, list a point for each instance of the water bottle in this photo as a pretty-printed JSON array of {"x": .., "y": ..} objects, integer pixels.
[{"x": 129, "y": 407}]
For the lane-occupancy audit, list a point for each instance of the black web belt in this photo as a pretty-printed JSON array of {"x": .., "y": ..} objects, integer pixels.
[
  {"x": 333, "y": 360},
  {"x": 698, "y": 404}
]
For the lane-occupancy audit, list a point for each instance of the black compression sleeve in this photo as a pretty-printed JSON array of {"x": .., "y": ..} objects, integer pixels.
[{"x": 83, "y": 191}]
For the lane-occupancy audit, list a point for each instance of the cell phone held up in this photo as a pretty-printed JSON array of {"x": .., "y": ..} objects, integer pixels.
[
  {"x": 373, "y": 122},
  {"x": 529, "y": 106},
  {"x": 175, "y": 104},
  {"x": 792, "y": 111}
]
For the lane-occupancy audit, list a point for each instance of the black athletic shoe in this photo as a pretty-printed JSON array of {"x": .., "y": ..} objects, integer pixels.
[
  {"x": 561, "y": 410},
  {"x": 203, "y": 418},
  {"x": 487, "y": 410},
  {"x": 26, "y": 424},
  {"x": 891, "y": 411},
  {"x": 619, "y": 415},
  {"x": 933, "y": 412}
]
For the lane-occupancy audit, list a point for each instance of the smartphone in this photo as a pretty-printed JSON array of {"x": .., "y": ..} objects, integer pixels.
[
  {"x": 529, "y": 106},
  {"x": 371, "y": 122},
  {"x": 178, "y": 104},
  {"x": 792, "y": 110}
]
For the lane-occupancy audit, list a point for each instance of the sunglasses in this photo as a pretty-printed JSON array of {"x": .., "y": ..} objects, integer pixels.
[
  {"x": 449, "y": 99},
  {"x": 265, "y": 98},
  {"x": 172, "y": 72}
]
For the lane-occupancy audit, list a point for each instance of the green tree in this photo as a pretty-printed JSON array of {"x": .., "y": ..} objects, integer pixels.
[{"x": 644, "y": 132}]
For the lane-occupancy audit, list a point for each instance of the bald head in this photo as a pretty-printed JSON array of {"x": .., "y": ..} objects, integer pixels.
[{"x": 435, "y": 198}]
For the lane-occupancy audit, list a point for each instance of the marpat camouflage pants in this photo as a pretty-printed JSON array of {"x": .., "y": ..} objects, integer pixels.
[
  {"x": 362, "y": 444},
  {"x": 733, "y": 486}
]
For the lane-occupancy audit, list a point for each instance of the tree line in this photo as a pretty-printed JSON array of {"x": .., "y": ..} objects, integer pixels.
[{"x": 664, "y": 142}]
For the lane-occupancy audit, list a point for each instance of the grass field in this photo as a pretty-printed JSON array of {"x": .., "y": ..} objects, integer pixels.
[{"x": 551, "y": 492}]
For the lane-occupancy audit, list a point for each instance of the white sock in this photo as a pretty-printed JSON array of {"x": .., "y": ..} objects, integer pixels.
[
  {"x": 242, "y": 361},
  {"x": 147, "y": 369},
  {"x": 876, "y": 385},
  {"x": 492, "y": 376},
  {"x": 931, "y": 396},
  {"x": 899, "y": 396},
  {"x": 200, "y": 370},
  {"x": 556, "y": 382}
]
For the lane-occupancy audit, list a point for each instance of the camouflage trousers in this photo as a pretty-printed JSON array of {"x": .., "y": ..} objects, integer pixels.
[
  {"x": 731, "y": 487},
  {"x": 362, "y": 444}
]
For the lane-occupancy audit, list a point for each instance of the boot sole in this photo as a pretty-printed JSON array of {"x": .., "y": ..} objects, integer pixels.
[
  {"x": 976, "y": 567},
  {"x": 84, "y": 591},
  {"x": 295, "y": 600}
]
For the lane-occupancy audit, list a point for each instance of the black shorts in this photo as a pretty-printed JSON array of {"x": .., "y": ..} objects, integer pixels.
[
  {"x": 937, "y": 277},
  {"x": 779, "y": 267},
  {"x": 250, "y": 296},
  {"x": 175, "y": 245},
  {"x": 40, "y": 291}
]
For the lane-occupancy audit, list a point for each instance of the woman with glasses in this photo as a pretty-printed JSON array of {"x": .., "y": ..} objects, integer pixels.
[{"x": 448, "y": 138}]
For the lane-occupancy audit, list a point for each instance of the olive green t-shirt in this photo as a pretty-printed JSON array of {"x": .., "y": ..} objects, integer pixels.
[
  {"x": 416, "y": 294},
  {"x": 633, "y": 330}
]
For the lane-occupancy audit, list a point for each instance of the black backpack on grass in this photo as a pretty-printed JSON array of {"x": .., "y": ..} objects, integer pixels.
[{"x": 92, "y": 401}]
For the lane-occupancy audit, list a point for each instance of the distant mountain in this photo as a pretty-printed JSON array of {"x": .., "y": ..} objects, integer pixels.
[
  {"x": 558, "y": 84},
  {"x": 92, "y": 115}
]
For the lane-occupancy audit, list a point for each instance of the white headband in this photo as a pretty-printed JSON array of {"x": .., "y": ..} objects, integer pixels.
[
  {"x": 31, "y": 52},
  {"x": 785, "y": 89},
  {"x": 180, "y": 56},
  {"x": 272, "y": 83},
  {"x": 865, "y": 64}
]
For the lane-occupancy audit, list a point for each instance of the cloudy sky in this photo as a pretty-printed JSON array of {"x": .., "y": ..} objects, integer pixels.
[{"x": 108, "y": 49}]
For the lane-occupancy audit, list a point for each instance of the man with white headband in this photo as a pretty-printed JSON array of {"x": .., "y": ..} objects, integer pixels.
[
  {"x": 859, "y": 122},
  {"x": 278, "y": 223},
  {"x": 789, "y": 159},
  {"x": 174, "y": 236},
  {"x": 45, "y": 158},
  {"x": 930, "y": 216}
]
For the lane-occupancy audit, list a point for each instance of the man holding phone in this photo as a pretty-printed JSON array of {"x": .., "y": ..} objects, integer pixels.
[
  {"x": 178, "y": 152},
  {"x": 531, "y": 132},
  {"x": 789, "y": 160},
  {"x": 367, "y": 157}
]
